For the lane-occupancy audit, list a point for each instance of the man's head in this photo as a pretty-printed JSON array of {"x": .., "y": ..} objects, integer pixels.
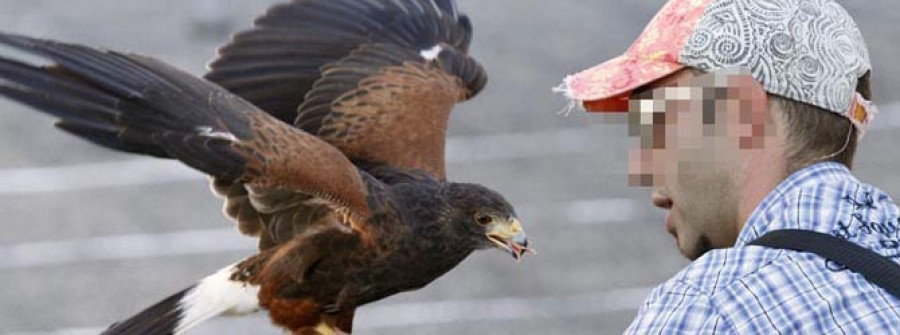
[
  {"x": 694, "y": 134},
  {"x": 726, "y": 98},
  {"x": 713, "y": 144}
]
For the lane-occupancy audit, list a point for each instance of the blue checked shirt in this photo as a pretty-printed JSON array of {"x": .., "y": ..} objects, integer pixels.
[{"x": 757, "y": 290}]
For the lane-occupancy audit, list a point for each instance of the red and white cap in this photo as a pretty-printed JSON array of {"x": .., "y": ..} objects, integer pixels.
[{"x": 804, "y": 50}]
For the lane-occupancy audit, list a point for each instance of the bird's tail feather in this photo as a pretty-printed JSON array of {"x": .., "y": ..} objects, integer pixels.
[
  {"x": 161, "y": 318},
  {"x": 215, "y": 295}
]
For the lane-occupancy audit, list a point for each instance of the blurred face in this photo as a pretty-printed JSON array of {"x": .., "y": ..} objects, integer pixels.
[{"x": 691, "y": 134}]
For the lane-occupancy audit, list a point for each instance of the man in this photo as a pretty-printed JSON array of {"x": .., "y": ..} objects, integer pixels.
[{"x": 746, "y": 116}]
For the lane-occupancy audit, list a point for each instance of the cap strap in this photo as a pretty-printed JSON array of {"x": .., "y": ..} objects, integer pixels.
[{"x": 861, "y": 112}]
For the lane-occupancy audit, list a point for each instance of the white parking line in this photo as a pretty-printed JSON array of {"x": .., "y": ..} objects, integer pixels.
[
  {"x": 521, "y": 145},
  {"x": 444, "y": 312},
  {"x": 604, "y": 210},
  {"x": 397, "y": 315},
  {"x": 131, "y": 172},
  {"x": 123, "y": 247}
]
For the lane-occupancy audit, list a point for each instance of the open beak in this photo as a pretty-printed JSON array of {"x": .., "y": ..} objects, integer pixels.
[{"x": 511, "y": 237}]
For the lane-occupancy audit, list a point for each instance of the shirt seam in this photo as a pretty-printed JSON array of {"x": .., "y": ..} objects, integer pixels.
[{"x": 714, "y": 305}]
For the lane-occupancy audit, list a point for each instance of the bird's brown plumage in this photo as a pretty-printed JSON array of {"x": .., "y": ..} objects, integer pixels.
[
  {"x": 341, "y": 71},
  {"x": 282, "y": 157},
  {"x": 375, "y": 121},
  {"x": 323, "y": 127}
]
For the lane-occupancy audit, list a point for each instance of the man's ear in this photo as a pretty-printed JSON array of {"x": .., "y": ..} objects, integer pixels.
[{"x": 756, "y": 117}]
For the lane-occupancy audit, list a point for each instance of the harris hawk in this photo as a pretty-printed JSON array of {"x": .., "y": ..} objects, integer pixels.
[{"x": 322, "y": 127}]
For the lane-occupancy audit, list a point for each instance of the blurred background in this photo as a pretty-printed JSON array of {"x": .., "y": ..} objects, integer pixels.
[{"x": 90, "y": 236}]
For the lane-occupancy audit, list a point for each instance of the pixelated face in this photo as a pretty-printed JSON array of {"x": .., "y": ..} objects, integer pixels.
[{"x": 690, "y": 135}]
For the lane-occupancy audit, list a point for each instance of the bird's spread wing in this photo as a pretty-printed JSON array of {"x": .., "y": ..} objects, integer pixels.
[
  {"x": 138, "y": 104},
  {"x": 375, "y": 78}
]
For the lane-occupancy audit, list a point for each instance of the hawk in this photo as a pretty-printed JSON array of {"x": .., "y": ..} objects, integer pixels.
[{"x": 322, "y": 128}]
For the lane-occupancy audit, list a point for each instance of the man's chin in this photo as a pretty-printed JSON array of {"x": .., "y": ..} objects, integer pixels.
[
  {"x": 696, "y": 249},
  {"x": 692, "y": 254}
]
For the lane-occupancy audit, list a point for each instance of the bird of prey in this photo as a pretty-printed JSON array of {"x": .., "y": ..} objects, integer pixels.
[{"x": 322, "y": 127}]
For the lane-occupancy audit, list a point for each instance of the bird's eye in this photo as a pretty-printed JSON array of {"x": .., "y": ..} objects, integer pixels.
[{"x": 483, "y": 219}]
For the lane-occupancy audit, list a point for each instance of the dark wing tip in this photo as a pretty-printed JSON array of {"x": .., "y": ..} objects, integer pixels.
[
  {"x": 276, "y": 63},
  {"x": 466, "y": 25},
  {"x": 458, "y": 63},
  {"x": 22, "y": 42},
  {"x": 448, "y": 6}
]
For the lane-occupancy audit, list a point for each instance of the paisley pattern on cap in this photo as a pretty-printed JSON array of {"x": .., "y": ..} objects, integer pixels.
[{"x": 805, "y": 50}]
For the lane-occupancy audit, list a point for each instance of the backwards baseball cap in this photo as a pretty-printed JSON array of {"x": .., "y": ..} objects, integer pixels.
[{"x": 809, "y": 51}]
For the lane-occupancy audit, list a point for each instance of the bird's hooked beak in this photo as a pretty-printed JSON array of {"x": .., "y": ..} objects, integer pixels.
[{"x": 509, "y": 236}]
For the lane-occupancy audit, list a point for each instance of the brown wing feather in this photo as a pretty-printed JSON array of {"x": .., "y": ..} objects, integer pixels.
[
  {"x": 275, "y": 216},
  {"x": 389, "y": 105},
  {"x": 276, "y": 64},
  {"x": 138, "y": 104},
  {"x": 397, "y": 116},
  {"x": 282, "y": 157},
  {"x": 381, "y": 104},
  {"x": 293, "y": 181}
]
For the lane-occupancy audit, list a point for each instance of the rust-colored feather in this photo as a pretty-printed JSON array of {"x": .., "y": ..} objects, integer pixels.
[
  {"x": 282, "y": 157},
  {"x": 398, "y": 116}
]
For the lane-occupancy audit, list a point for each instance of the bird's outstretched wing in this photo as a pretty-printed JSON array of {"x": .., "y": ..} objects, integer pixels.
[
  {"x": 375, "y": 78},
  {"x": 138, "y": 104}
]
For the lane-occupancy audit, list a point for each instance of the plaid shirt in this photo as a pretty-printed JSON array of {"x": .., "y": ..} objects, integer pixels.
[{"x": 757, "y": 290}]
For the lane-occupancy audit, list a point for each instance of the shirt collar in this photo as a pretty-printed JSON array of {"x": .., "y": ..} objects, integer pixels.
[{"x": 813, "y": 175}]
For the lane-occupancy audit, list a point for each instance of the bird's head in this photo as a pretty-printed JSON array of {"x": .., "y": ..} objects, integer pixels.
[{"x": 487, "y": 219}]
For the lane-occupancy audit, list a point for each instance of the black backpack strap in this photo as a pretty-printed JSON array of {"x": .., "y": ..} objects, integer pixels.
[{"x": 877, "y": 269}]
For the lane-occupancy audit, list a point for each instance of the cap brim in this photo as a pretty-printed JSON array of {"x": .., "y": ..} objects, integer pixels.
[{"x": 606, "y": 87}]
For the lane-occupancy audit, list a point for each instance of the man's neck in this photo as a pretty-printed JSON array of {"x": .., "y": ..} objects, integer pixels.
[{"x": 762, "y": 171}]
